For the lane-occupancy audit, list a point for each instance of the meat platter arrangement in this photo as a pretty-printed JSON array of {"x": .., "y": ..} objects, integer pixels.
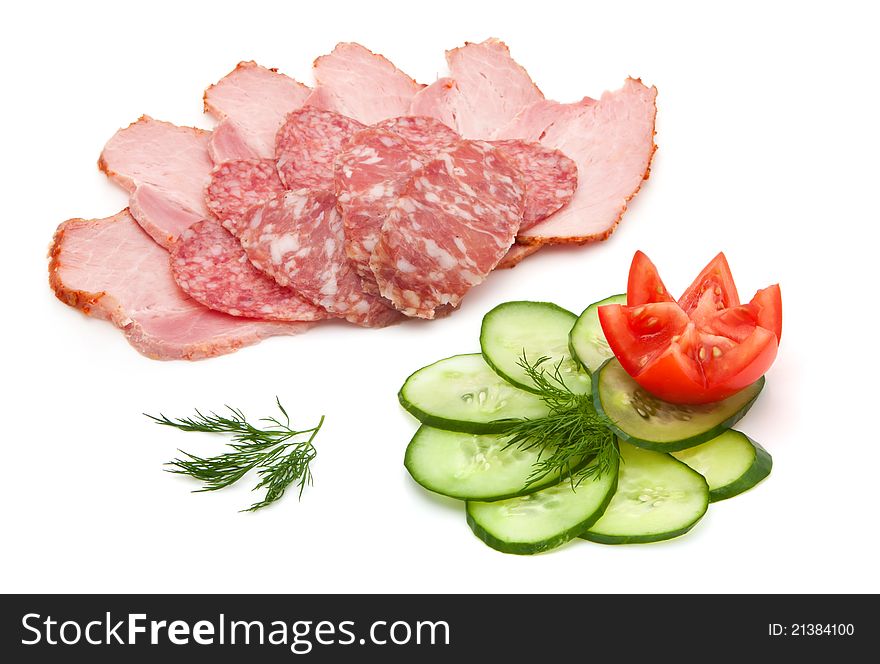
[{"x": 367, "y": 197}]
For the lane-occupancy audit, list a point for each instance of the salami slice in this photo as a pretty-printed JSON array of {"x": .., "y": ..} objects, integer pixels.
[
  {"x": 370, "y": 174},
  {"x": 455, "y": 221},
  {"x": 210, "y": 266},
  {"x": 238, "y": 185},
  {"x": 307, "y": 145},
  {"x": 549, "y": 176},
  {"x": 425, "y": 134},
  {"x": 297, "y": 237}
]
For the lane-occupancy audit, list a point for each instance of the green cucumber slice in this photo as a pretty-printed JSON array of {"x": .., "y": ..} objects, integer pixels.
[
  {"x": 731, "y": 463},
  {"x": 471, "y": 466},
  {"x": 645, "y": 421},
  {"x": 540, "y": 329},
  {"x": 544, "y": 519},
  {"x": 587, "y": 340},
  {"x": 462, "y": 393},
  {"x": 657, "y": 498}
]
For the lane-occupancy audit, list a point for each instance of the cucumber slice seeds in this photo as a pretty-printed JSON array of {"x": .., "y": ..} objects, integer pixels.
[
  {"x": 538, "y": 329},
  {"x": 649, "y": 422},
  {"x": 462, "y": 393},
  {"x": 657, "y": 498},
  {"x": 542, "y": 520},
  {"x": 472, "y": 466}
]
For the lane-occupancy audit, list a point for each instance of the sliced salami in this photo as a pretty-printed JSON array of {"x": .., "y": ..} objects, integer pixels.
[
  {"x": 297, "y": 237},
  {"x": 307, "y": 145},
  {"x": 549, "y": 176},
  {"x": 210, "y": 266},
  {"x": 425, "y": 134},
  {"x": 238, "y": 185},
  {"x": 455, "y": 221},
  {"x": 370, "y": 174}
]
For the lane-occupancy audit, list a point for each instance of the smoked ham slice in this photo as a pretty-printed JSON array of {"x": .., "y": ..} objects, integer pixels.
[
  {"x": 251, "y": 103},
  {"x": 109, "y": 268},
  {"x": 166, "y": 169},
  {"x": 486, "y": 89},
  {"x": 611, "y": 141},
  {"x": 363, "y": 85}
]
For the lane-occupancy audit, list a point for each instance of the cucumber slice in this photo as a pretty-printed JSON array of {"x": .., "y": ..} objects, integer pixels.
[
  {"x": 587, "y": 340},
  {"x": 540, "y": 329},
  {"x": 462, "y": 393},
  {"x": 731, "y": 463},
  {"x": 645, "y": 421},
  {"x": 657, "y": 498},
  {"x": 471, "y": 466},
  {"x": 544, "y": 519}
]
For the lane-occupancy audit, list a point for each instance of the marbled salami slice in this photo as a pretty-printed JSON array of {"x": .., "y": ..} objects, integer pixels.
[
  {"x": 307, "y": 145},
  {"x": 297, "y": 237},
  {"x": 370, "y": 173},
  {"x": 425, "y": 134},
  {"x": 549, "y": 176},
  {"x": 238, "y": 185},
  {"x": 210, "y": 266},
  {"x": 455, "y": 221}
]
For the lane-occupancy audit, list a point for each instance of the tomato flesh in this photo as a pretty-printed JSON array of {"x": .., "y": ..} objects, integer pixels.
[
  {"x": 644, "y": 285},
  {"x": 715, "y": 282},
  {"x": 706, "y": 346}
]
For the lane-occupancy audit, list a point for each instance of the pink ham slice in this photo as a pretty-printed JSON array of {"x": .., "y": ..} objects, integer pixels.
[
  {"x": 533, "y": 122},
  {"x": 360, "y": 84},
  {"x": 486, "y": 89},
  {"x": 109, "y": 268},
  {"x": 237, "y": 186},
  {"x": 166, "y": 169},
  {"x": 370, "y": 174},
  {"x": 209, "y": 265},
  {"x": 550, "y": 178},
  {"x": 298, "y": 237},
  {"x": 453, "y": 224},
  {"x": 307, "y": 144},
  {"x": 251, "y": 102},
  {"x": 612, "y": 143},
  {"x": 516, "y": 254}
]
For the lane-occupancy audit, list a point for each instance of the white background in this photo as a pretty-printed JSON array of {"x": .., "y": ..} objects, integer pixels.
[{"x": 768, "y": 135}]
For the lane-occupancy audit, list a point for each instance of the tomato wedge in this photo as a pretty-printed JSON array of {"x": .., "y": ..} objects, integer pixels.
[
  {"x": 702, "y": 348},
  {"x": 644, "y": 285}
]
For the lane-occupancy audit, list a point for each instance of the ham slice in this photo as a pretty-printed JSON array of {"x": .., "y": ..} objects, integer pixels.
[
  {"x": 486, "y": 89},
  {"x": 251, "y": 103},
  {"x": 363, "y": 85},
  {"x": 611, "y": 141},
  {"x": 109, "y": 268},
  {"x": 166, "y": 169},
  {"x": 515, "y": 254}
]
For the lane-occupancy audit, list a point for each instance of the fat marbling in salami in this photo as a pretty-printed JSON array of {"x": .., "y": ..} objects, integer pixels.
[{"x": 455, "y": 221}]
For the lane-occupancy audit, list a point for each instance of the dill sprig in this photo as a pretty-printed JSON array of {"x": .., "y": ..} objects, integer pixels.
[
  {"x": 569, "y": 434},
  {"x": 277, "y": 451}
]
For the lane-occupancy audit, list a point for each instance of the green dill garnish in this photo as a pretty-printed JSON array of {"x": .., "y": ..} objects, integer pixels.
[
  {"x": 570, "y": 433},
  {"x": 279, "y": 453}
]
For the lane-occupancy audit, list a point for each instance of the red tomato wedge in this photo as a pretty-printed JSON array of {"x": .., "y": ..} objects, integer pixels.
[
  {"x": 644, "y": 284},
  {"x": 706, "y": 346}
]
